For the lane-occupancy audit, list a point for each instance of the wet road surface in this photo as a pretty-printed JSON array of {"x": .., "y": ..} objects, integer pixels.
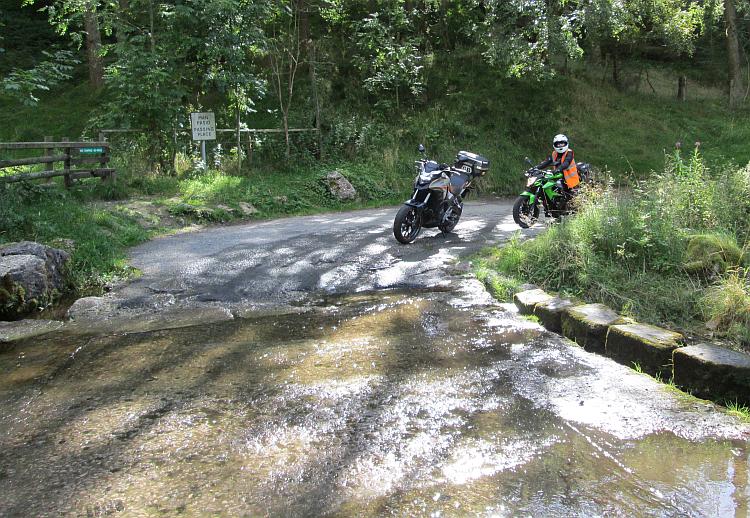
[{"x": 420, "y": 400}]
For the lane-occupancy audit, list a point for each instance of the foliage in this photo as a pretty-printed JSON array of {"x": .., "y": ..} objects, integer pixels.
[
  {"x": 388, "y": 60},
  {"x": 25, "y": 85}
]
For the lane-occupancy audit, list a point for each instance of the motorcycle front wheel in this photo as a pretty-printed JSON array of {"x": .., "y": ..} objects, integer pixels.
[
  {"x": 451, "y": 221},
  {"x": 407, "y": 225},
  {"x": 524, "y": 214}
]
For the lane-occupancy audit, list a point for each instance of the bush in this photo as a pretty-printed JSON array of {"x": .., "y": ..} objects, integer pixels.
[
  {"x": 666, "y": 252},
  {"x": 726, "y": 306}
]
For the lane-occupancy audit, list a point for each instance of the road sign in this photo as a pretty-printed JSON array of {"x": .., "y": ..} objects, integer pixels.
[
  {"x": 91, "y": 150},
  {"x": 203, "y": 125}
]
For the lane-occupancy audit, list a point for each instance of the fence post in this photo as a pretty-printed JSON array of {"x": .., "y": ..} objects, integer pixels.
[
  {"x": 249, "y": 147},
  {"x": 68, "y": 181},
  {"x": 48, "y": 152},
  {"x": 682, "y": 88}
]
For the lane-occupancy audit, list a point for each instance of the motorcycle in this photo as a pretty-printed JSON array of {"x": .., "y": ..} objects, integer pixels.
[
  {"x": 550, "y": 194},
  {"x": 439, "y": 190}
]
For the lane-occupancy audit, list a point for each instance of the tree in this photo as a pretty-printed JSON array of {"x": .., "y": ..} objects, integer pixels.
[
  {"x": 93, "y": 45},
  {"x": 387, "y": 55},
  {"x": 736, "y": 88},
  {"x": 73, "y": 16},
  {"x": 284, "y": 48}
]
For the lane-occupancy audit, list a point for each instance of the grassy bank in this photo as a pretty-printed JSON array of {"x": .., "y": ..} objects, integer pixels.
[
  {"x": 98, "y": 222},
  {"x": 673, "y": 251}
]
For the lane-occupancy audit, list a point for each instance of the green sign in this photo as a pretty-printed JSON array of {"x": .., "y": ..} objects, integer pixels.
[{"x": 92, "y": 150}]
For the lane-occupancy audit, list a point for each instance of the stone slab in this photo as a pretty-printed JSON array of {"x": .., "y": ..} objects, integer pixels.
[
  {"x": 713, "y": 372},
  {"x": 526, "y": 300},
  {"x": 11, "y": 332},
  {"x": 587, "y": 325},
  {"x": 550, "y": 313},
  {"x": 648, "y": 346},
  {"x": 143, "y": 321}
]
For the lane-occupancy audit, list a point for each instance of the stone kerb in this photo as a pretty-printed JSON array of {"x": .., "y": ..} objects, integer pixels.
[
  {"x": 587, "y": 325},
  {"x": 648, "y": 346},
  {"x": 710, "y": 371},
  {"x": 527, "y": 300},
  {"x": 707, "y": 370},
  {"x": 550, "y": 313}
]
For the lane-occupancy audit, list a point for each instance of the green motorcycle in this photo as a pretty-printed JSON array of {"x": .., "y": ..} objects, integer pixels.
[{"x": 547, "y": 192}]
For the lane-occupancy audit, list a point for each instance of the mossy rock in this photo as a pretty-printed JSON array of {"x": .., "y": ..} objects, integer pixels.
[
  {"x": 587, "y": 325},
  {"x": 648, "y": 346},
  {"x": 713, "y": 372},
  {"x": 713, "y": 254},
  {"x": 550, "y": 313},
  {"x": 526, "y": 300}
]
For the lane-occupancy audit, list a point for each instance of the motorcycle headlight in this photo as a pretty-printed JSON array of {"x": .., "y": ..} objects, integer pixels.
[
  {"x": 530, "y": 181},
  {"x": 425, "y": 177}
]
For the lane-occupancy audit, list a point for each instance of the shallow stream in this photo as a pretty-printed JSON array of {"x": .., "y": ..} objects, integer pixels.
[{"x": 390, "y": 403}]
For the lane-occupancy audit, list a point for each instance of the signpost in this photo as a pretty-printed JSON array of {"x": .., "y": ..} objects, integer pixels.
[{"x": 204, "y": 128}]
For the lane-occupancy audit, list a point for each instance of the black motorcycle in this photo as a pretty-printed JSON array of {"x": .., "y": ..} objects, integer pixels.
[
  {"x": 438, "y": 194},
  {"x": 550, "y": 194}
]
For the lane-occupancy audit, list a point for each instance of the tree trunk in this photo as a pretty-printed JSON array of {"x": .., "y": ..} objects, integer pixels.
[
  {"x": 122, "y": 14},
  {"x": 93, "y": 46},
  {"x": 314, "y": 83},
  {"x": 736, "y": 88},
  {"x": 615, "y": 71}
]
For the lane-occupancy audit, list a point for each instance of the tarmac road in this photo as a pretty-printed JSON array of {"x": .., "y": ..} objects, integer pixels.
[{"x": 285, "y": 261}]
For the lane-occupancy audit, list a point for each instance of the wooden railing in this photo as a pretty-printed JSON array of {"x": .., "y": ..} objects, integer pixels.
[{"x": 71, "y": 154}]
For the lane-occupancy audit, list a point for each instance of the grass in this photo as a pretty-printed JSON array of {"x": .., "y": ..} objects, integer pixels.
[
  {"x": 738, "y": 410},
  {"x": 97, "y": 238}
]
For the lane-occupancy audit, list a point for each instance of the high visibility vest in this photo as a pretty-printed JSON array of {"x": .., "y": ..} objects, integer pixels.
[{"x": 571, "y": 173}]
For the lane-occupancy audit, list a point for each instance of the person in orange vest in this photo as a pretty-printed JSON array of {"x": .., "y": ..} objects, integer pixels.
[{"x": 565, "y": 172}]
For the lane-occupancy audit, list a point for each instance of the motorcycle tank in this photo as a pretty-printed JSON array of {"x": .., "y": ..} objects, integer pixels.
[{"x": 458, "y": 180}]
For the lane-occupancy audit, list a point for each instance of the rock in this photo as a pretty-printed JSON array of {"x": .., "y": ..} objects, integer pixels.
[
  {"x": 280, "y": 199},
  {"x": 587, "y": 325},
  {"x": 91, "y": 308},
  {"x": 225, "y": 208},
  {"x": 248, "y": 209},
  {"x": 713, "y": 372},
  {"x": 712, "y": 254},
  {"x": 31, "y": 275},
  {"x": 94, "y": 317},
  {"x": 339, "y": 186},
  {"x": 648, "y": 346},
  {"x": 15, "y": 331},
  {"x": 527, "y": 300},
  {"x": 550, "y": 313}
]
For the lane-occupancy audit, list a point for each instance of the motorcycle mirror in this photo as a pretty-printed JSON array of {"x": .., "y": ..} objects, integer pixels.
[
  {"x": 528, "y": 161},
  {"x": 421, "y": 148}
]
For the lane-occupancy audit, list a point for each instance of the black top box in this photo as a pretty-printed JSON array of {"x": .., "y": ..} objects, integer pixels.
[{"x": 479, "y": 164}]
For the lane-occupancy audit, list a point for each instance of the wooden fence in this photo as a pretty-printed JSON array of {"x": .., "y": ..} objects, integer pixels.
[
  {"x": 246, "y": 144},
  {"x": 71, "y": 154}
]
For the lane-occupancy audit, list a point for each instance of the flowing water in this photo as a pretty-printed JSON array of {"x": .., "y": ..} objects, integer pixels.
[{"x": 390, "y": 403}]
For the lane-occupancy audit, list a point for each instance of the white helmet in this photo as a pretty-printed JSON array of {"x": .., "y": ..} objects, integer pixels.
[{"x": 560, "y": 143}]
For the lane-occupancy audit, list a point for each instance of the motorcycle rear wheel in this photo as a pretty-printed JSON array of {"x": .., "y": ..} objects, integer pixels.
[
  {"x": 407, "y": 225},
  {"x": 524, "y": 214}
]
